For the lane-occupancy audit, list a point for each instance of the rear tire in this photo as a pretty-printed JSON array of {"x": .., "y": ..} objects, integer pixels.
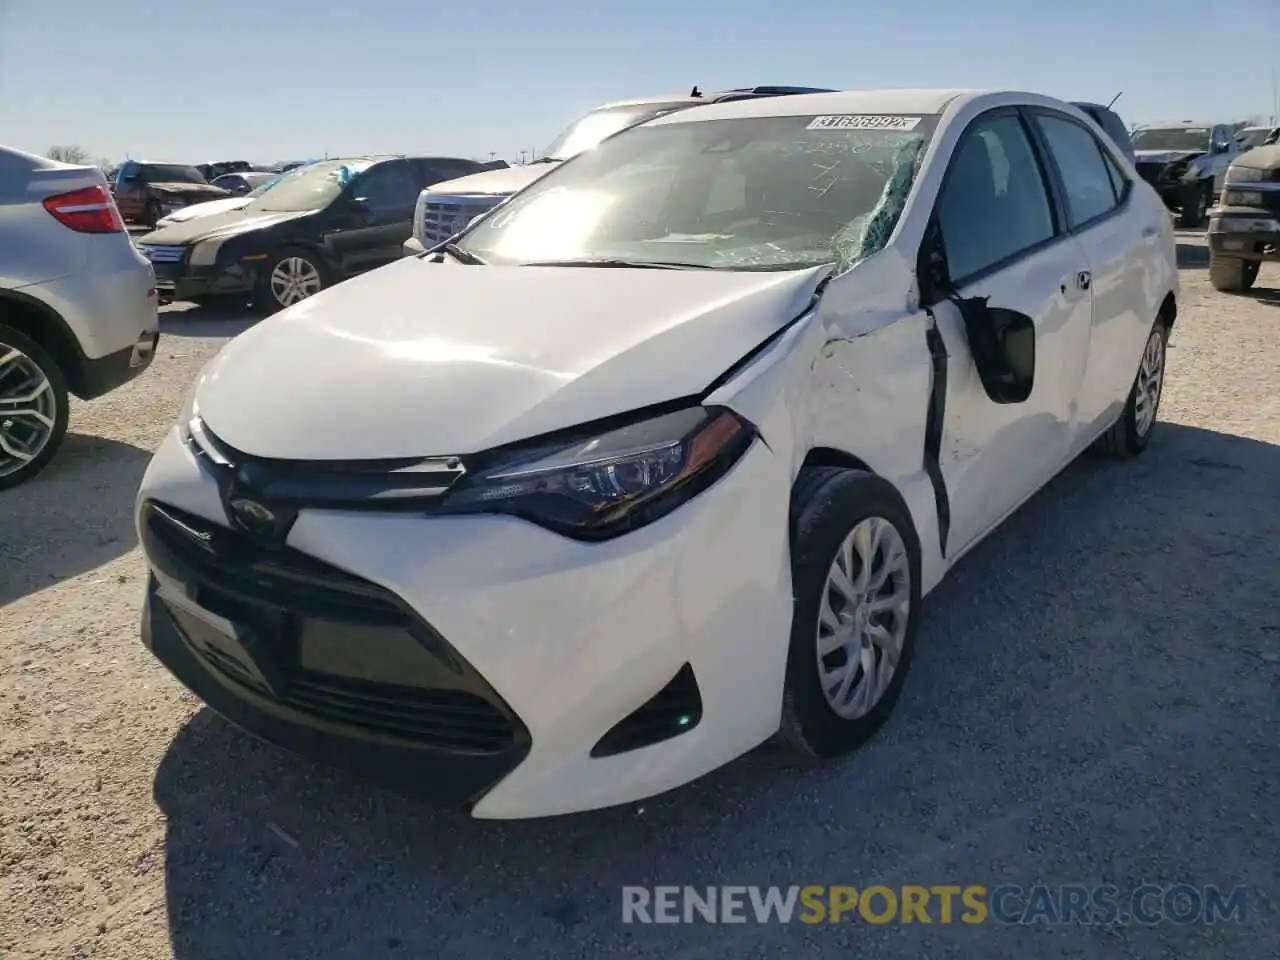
[
  {"x": 1130, "y": 435},
  {"x": 1196, "y": 209},
  {"x": 1231, "y": 274},
  {"x": 32, "y": 381},
  {"x": 832, "y": 508}
]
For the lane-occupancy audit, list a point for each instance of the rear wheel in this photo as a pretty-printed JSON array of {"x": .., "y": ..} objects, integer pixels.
[
  {"x": 855, "y": 568},
  {"x": 33, "y": 407},
  {"x": 1196, "y": 207},
  {"x": 1131, "y": 434},
  {"x": 1231, "y": 274}
]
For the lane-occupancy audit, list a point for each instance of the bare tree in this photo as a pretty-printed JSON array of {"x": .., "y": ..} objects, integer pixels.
[{"x": 69, "y": 153}]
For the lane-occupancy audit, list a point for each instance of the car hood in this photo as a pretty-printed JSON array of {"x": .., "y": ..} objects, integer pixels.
[
  {"x": 220, "y": 225},
  {"x": 1260, "y": 158},
  {"x": 197, "y": 210},
  {"x": 494, "y": 182},
  {"x": 1165, "y": 156},
  {"x": 422, "y": 358},
  {"x": 190, "y": 189}
]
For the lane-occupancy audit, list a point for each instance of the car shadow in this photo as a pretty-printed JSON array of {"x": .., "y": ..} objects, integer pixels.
[
  {"x": 1192, "y": 256},
  {"x": 1269, "y": 296},
  {"x": 270, "y": 856},
  {"x": 220, "y": 319},
  {"x": 46, "y": 535}
]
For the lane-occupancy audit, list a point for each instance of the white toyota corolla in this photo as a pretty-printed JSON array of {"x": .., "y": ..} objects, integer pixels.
[{"x": 657, "y": 460}]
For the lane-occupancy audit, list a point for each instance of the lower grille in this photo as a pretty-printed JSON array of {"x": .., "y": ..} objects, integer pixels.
[
  {"x": 444, "y": 216},
  {"x": 158, "y": 253},
  {"x": 342, "y": 650}
]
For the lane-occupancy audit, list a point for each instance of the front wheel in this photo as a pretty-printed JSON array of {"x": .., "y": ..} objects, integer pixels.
[
  {"x": 1131, "y": 434},
  {"x": 289, "y": 277},
  {"x": 1231, "y": 274},
  {"x": 855, "y": 568},
  {"x": 33, "y": 407}
]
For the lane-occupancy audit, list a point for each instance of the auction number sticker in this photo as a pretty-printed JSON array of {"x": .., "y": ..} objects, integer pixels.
[{"x": 876, "y": 121}]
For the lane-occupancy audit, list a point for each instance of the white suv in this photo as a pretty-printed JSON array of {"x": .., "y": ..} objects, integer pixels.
[
  {"x": 77, "y": 304},
  {"x": 658, "y": 460}
]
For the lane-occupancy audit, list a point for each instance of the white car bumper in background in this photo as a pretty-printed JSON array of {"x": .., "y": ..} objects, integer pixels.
[{"x": 483, "y": 656}]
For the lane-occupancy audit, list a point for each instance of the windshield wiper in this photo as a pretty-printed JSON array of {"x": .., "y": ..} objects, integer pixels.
[
  {"x": 545, "y": 160},
  {"x": 459, "y": 254},
  {"x": 618, "y": 262}
]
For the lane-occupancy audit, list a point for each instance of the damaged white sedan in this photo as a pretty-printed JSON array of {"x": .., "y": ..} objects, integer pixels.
[{"x": 657, "y": 460}]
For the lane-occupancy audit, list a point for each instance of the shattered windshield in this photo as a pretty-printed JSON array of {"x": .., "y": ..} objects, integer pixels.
[
  {"x": 598, "y": 124},
  {"x": 1172, "y": 138},
  {"x": 763, "y": 193},
  {"x": 309, "y": 187}
]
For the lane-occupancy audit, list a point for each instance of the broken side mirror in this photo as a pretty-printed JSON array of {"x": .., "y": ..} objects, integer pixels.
[{"x": 1003, "y": 345}]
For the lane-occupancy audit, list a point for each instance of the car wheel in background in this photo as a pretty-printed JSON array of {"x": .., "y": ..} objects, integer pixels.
[
  {"x": 33, "y": 407},
  {"x": 855, "y": 569},
  {"x": 1231, "y": 274},
  {"x": 1196, "y": 209},
  {"x": 1131, "y": 434},
  {"x": 289, "y": 277}
]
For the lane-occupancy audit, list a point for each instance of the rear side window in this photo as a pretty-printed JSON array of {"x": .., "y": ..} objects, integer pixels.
[
  {"x": 1089, "y": 184},
  {"x": 994, "y": 204}
]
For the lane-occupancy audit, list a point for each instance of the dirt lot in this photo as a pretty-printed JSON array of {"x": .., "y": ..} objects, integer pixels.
[{"x": 1094, "y": 700}]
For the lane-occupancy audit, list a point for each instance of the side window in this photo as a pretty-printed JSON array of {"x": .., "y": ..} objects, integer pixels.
[
  {"x": 994, "y": 204},
  {"x": 1081, "y": 160},
  {"x": 386, "y": 187}
]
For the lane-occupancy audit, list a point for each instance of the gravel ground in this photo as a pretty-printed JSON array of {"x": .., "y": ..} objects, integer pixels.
[{"x": 1094, "y": 700}]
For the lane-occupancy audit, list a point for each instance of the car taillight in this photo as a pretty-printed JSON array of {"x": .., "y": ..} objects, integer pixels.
[{"x": 90, "y": 210}]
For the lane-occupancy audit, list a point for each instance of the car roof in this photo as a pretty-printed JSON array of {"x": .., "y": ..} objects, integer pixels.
[
  {"x": 1182, "y": 124},
  {"x": 710, "y": 96},
  {"x": 913, "y": 102}
]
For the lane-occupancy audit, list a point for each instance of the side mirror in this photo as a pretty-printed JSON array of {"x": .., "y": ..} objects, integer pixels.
[
  {"x": 1003, "y": 344},
  {"x": 360, "y": 205},
  {"x": 1221, "y": 146}
]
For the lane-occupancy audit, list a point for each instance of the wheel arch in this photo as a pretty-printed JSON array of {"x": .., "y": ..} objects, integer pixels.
[
  {"x": 44, "y": 325},
  {"x": 1168, "y": 310}
]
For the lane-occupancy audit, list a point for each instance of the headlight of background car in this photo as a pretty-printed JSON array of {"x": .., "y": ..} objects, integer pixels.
[
  {"x": 1239, "y": 174},
  {"x": 601, "y": 486},
  {"x": 1242, "y": 198},
  {"x": 205, "y": 253}
]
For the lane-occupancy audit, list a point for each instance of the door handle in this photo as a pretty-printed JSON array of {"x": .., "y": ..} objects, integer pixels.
[{"x": 1084, "y": 279}]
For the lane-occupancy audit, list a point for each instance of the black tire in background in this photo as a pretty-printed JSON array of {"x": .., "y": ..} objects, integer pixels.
[
  {"x": 265, "y": 299},
  {"x": 827, "y": 504},
  {"x": 1231, "y": 274},
  {"x": 1196, "y": 209},
  {"x": 11, "y": 339}
]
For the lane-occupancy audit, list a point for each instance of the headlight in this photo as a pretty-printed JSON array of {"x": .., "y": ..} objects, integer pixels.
[
  {"x": 599, "y": 486},
  {"x": 205, "y": 253},
  {"x": 1242, "y": 198},
  {"x": 1239, "y": 174},
  {"x": 1242, "y": 225}
]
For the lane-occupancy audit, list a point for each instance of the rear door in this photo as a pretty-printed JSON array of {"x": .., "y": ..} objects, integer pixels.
[
  {"x": 1097, "y": 196},
  {"x": 1000, "y": 235},
  {"x": 373, "y": 217}
]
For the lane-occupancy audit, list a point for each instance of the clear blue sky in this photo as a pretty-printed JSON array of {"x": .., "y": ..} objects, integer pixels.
[{"x": 267, "y": 80}]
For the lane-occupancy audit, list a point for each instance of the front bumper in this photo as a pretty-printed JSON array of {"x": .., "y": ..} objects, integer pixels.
[
  {"x": 1244, "y": 233},
  {"x": 570, "y": 638},
  {"x": 182, "y": 281}
]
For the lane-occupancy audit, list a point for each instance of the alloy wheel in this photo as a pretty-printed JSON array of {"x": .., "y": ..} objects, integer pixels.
[
  {"x": 1150, "y": 383},
  {"x": 294, "y": 279},
  {"x": 863, "y": 617},
  {"x": 28, "y": 410}
]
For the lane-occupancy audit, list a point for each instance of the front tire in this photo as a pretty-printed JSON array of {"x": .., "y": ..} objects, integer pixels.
[
  {"x": 33, "y": 407},
  {"x": 291, "y": 276},
  {"x": 1231, "y": 274},
  {"x": 855, "y": 568},
  {"x": 1130, "y": 435}
]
